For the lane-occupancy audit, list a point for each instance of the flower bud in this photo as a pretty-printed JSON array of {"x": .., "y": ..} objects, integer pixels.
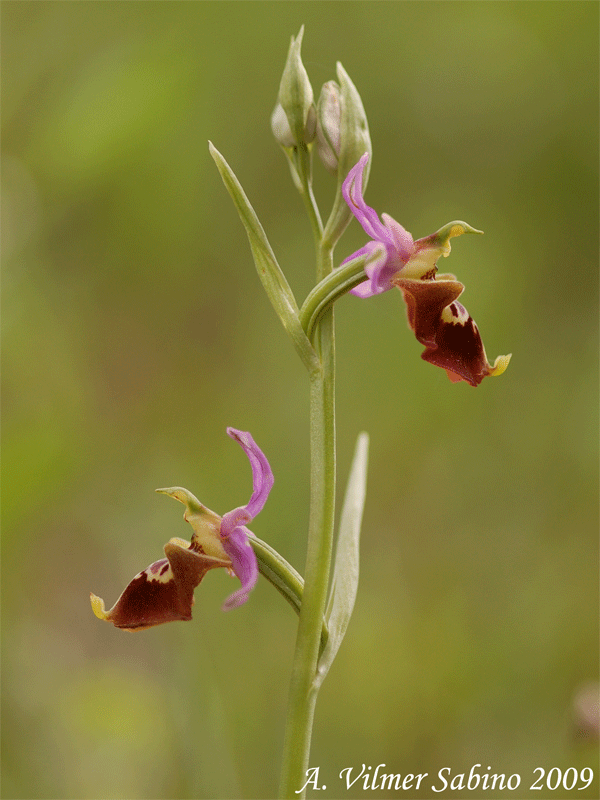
[
  {"x": 329, "y": 113},
  {"x": 281, "y": 127},
  {"x": 296, "y": 100}
]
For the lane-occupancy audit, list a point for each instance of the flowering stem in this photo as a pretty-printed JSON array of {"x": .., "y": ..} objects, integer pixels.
[
  {"x": 302, "y": 163},
  {"x": 303, "y": 691}
]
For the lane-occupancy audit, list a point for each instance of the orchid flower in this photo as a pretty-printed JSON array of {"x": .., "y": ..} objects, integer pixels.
[
  {"x": 164, "y": 591},
  {"x": 438, "y": 320}
]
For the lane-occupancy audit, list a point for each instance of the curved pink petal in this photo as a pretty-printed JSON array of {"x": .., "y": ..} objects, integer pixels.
[
  {"x": 397, "y": 241},
  {"x": 262, "y": 475},
  {"x": 353, "y": 195},
  {"x": 244, "y": 565},
  {"x": 377, "y": 277},
  {"x": 404, "y": 244},
  {"x": 233, "y": 533}
]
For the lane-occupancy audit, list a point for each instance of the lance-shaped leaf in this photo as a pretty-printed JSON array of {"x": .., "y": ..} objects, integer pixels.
[
  {"x": 270, "y": 273},
  {"x": 345, "y": 572}
]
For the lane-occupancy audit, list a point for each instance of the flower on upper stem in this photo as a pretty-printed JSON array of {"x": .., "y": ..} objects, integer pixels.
[
  {"x": 164, "y": 591},
  {"x": 438, "y": 320}
]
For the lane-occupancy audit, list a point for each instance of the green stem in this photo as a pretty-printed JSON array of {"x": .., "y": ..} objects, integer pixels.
[
  {"x": 302, "y": 163},
  {"x": 303, "y": 692}
]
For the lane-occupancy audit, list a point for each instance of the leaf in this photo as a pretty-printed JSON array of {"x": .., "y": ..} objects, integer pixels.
[
  {"x": 269, "y": 271},
  {"x": 345, "y": 572}
]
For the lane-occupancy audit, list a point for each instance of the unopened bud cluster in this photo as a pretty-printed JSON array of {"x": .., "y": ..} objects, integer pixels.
[{"x": 338, "y": 121}]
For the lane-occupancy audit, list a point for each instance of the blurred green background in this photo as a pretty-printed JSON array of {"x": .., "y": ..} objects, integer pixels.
[{"x": 136, "y": 330}]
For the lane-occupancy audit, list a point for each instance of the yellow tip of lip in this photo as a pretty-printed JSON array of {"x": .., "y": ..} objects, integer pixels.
[
  {"x": 98, "y": 606},
  {"x": 500, "y": 364}
]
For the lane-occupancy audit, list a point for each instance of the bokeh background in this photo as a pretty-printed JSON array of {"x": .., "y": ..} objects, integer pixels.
[{"x": 136, "y": 330}]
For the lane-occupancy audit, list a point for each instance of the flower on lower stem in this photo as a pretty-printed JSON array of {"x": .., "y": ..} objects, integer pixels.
[
  {"x": 164, "y": 591},
  {"x": 438, "y": 320}
]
